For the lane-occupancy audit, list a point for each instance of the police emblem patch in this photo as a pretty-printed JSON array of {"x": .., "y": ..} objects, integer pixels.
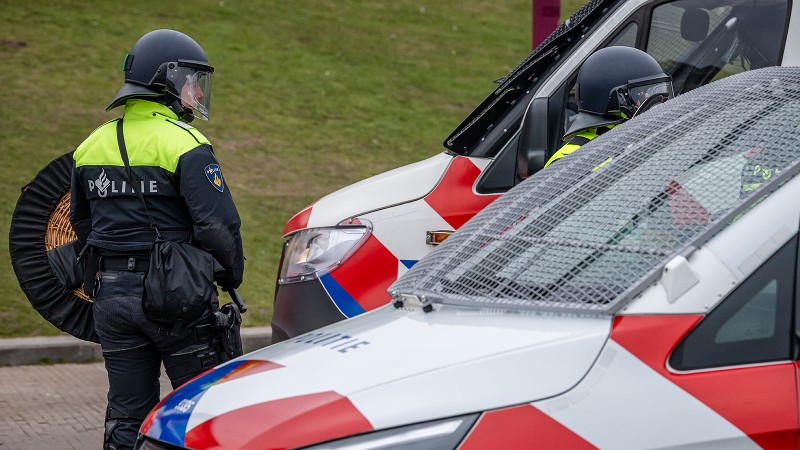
[{"x": 214, "y": 176}]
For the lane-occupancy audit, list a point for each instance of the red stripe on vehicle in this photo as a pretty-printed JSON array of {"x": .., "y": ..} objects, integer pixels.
[
  {"x": 760, "y": 400},
  {"x": 298, "y": 221},
  {"x": 285, "y": 423},
  {"x": 368, "y": 273},
  {"x": 521, "y": 427},
  {"x": 453, "y": 198}
]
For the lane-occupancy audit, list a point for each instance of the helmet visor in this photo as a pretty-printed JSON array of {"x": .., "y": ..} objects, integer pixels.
[
  {"x": 640, "y": 93},
  {"x": 191, "y": 83},
  {"x": 644, "y": 91}
]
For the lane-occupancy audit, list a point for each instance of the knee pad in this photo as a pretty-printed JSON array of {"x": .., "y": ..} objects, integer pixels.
[
  {"x": 189, "y": 362},
  {"x": 120, "y": 431}
]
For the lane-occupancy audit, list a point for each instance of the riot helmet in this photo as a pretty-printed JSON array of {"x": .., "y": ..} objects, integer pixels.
[
  {"x": 616, "y": 83},
  {"x": 169, "y": 67}
]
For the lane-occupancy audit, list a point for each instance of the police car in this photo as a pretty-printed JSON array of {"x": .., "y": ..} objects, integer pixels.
[
  {"x": 645, "y": 302},
  {"x": 344, "y": 251}
]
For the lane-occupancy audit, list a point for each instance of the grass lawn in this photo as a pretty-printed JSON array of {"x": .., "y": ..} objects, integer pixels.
[{"x": 308, "y": 97}]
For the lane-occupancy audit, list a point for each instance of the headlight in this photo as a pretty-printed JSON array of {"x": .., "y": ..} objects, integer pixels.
[
  {"x": 313, "y": 252},
  {"x": 436, "y": 435}
]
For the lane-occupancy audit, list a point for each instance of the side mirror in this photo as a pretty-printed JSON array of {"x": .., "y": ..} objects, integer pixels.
[
  {"x": 694, "y": 24},
  {"x": 532, "y": 147}
]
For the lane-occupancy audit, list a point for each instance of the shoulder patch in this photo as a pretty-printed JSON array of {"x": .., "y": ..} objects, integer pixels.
[{"x": 214, "y": 175}]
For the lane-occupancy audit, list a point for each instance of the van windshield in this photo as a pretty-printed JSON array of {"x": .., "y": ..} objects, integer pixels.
[{"x": 589, "y": 232}]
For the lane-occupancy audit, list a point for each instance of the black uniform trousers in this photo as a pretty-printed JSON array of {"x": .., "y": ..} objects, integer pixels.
[{"x": 134, "y": 348}]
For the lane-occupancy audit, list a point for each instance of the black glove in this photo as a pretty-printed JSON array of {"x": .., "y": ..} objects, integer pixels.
[{"x": 227, "y": 282}]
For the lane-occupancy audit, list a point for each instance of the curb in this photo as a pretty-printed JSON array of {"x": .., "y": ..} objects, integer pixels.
[{"x": 68, "y": 349}]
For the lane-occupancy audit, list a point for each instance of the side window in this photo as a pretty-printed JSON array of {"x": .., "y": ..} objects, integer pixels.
[
  {"x": 626, "y": 37},
  {"x": 698, "y": 45},
  {"x": 752, "y": 325},
  {"x": 672, "y": 37}
]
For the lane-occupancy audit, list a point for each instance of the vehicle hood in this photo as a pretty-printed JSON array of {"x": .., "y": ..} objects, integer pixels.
[
  {"x": 386, "y": 368},
  {"x": 396, "y": 186}
]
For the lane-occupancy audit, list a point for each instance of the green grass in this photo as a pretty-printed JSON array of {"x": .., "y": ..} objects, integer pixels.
[{"x": 308, "y": 97}]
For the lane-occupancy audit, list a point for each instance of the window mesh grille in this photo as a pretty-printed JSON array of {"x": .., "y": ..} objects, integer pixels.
[{"x": 581, "y": 234}]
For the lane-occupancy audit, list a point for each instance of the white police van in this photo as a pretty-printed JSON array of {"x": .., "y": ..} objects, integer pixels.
[
  {"x": 651, "y": 303},
  {"x": 343, "y": 252}
]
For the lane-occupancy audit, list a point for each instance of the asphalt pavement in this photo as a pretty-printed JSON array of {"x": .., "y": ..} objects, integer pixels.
[{"x": 53, "y": 391}]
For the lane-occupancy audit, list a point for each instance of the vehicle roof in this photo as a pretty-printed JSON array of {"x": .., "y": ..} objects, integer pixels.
[{"x": 590, "y": 233}]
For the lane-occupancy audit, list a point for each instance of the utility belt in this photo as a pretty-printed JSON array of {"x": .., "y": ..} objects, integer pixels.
[
  {"x": 129, "y": 263},
  {"x": 224, "y": 326},
  {"x": 97, "y": 262}
]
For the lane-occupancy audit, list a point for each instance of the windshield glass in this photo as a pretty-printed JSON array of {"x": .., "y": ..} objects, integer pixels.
[{"x": 581, "y": 234}]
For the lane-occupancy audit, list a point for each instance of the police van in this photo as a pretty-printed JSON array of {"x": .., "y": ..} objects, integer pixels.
[
  {"x": 651, "y": 303},
  {"x": 343, "y": 252}
]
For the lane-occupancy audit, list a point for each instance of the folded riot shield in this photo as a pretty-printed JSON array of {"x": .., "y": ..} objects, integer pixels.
[{"x": 44, "y": 250}]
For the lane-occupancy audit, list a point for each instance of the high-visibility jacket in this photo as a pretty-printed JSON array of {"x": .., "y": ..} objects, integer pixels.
[
  {"x": 179, "y": 177},
  {"x": 577, "y": 141}
]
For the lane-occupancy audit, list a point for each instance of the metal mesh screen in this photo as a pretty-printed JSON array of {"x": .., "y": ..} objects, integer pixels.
[
  {"x": 575, "y": 19},
  {"x": 582, "y": 234}
]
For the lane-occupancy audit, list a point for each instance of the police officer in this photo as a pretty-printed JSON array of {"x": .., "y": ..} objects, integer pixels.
[
  {"x": 613, "y": 85},
  {"x": 167, "y": 84}
]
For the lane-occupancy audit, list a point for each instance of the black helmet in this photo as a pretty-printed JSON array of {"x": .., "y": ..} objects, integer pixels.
[
  {"x": 615, "y": 83},
  {"x": 171, "y": 67}
]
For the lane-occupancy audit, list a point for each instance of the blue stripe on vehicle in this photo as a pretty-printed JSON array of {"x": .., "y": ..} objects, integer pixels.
[
  {"x": 409, "y": 263},
  {"x": 341, "y": 298},
  {"x": 169, "y": 423}
]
